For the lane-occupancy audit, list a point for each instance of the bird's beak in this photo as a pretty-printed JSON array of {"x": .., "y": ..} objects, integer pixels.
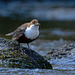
[{"x": 37, "y": 24}]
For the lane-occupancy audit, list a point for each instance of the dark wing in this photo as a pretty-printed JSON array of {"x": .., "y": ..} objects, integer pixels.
[{"x": 19, "y": 32}]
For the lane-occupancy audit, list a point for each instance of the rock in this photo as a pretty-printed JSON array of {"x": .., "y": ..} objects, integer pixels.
[
  {"x": 65, "y": 51},
  {"x": 13, "y": 56}
]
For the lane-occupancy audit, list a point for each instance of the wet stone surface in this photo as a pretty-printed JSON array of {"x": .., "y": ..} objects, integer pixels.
[{"x": 12, "y": 56}]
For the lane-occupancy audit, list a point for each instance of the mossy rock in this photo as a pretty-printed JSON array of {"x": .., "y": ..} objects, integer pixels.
[{"x": 12, "y": 56}]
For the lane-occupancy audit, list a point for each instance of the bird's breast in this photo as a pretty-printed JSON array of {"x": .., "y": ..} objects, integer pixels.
[{"x": 31, "y": 33}]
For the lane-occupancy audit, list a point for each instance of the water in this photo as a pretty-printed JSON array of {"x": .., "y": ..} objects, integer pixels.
[
  {"x": 53, "y": 34},
  {"x": 64, "y": 63},
  {"x": 35, "y": 72}
]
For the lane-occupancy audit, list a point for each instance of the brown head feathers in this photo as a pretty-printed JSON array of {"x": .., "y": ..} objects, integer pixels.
[{"x": 35, "y": 22}]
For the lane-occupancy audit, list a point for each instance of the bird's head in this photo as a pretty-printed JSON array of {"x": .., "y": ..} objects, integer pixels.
[{"x": 35, "y": 22}]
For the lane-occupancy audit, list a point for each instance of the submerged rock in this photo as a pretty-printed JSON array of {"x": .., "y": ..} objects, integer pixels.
[{"x": 13, "y": 56}]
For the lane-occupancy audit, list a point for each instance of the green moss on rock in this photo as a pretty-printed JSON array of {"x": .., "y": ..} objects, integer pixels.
[{"x": 12, "y": 56}]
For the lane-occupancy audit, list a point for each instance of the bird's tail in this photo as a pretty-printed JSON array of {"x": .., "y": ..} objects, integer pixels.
[{"x": 9, "y": 34}]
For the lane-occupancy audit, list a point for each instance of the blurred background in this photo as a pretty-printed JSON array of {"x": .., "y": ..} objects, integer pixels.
[{"x": 57, "y": 17}]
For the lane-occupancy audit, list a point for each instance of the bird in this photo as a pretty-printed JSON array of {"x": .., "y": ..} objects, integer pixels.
[{"x": 26, "y": 33}]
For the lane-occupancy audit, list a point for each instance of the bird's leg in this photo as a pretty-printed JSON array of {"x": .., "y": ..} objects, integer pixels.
[
  {"x": 29, "y": 48},
  {"x": 19, "y": 47}
]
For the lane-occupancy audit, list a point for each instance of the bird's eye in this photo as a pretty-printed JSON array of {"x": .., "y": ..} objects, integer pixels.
[{"x": 34, "y": 22}]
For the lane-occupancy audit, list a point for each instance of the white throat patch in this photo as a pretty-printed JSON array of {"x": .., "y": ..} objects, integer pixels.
[{"x": 32, "y": 32}]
